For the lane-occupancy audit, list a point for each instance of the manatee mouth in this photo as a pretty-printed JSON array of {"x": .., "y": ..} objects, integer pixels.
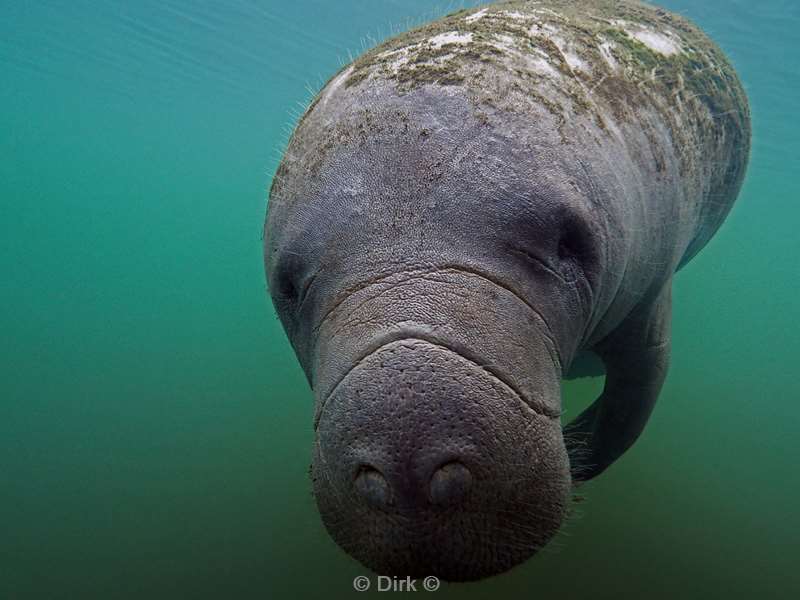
[{"x": 428, "y": 463}]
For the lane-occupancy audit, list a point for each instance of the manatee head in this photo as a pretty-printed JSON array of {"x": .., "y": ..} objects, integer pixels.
[{"x": 432, "y": 268}]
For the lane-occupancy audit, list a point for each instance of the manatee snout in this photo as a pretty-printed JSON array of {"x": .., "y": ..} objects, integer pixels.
[
  {"x": 400, "y": 441},
  {"x": 426, "y": 463}
]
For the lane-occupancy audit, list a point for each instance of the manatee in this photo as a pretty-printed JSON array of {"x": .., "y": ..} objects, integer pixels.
[{"x": 465, "y": 215}]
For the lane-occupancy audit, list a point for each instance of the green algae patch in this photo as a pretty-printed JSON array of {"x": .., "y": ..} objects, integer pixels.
[
  {"x": 600, "y": 66},
  {"x": 585, "y": 57}
]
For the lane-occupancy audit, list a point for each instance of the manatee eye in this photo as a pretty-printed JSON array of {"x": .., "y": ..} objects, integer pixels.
[
  {"x": 287, "y": 289},
  {"x": 292, "y": 282},
  {"x": 575, "y": 242},
  {"x": 569, "y": 245},
  {"x": 576, "y": 248}
]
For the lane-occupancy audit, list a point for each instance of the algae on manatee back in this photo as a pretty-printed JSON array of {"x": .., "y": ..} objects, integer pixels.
[{"x": 616, "y": 53}]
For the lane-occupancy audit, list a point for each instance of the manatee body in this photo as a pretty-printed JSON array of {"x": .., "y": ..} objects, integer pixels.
[{"x": 462, "y": 214}]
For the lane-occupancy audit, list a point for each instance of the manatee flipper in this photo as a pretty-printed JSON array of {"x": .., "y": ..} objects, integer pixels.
[{"x": 636, "y": 356}]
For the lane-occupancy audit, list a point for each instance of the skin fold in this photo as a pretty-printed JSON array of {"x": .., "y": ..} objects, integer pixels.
[{"x": 461, "y": 215}]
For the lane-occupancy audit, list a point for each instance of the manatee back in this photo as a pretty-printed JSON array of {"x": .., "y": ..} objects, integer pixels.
[{"x": 598, "y": 71}]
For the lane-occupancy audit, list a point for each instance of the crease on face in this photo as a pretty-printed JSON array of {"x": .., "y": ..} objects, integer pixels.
[
  {"x": 535, "y": 404},
  {"x": 547, "y": 331}
]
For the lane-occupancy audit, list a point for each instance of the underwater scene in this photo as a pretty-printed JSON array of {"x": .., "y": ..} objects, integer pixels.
[{"x": 157, "y": 425}]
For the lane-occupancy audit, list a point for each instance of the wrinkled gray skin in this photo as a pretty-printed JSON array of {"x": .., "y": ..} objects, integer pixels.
[{"x": 452, "y": 225}]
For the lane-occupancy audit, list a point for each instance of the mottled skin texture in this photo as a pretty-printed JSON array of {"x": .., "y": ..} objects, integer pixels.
[{"x": 459, "y": 215}]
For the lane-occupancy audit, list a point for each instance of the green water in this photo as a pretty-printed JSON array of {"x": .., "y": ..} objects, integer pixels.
[{"x": 155, "y": 428}]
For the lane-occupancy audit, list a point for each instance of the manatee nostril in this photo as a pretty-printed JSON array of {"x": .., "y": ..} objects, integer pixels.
[
  {"x": 372, "y": 485},
  {"x": 450, "y": 484}
]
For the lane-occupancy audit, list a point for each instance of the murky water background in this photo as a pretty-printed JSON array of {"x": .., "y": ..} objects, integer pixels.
[{"x": 155, "y": 428}]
